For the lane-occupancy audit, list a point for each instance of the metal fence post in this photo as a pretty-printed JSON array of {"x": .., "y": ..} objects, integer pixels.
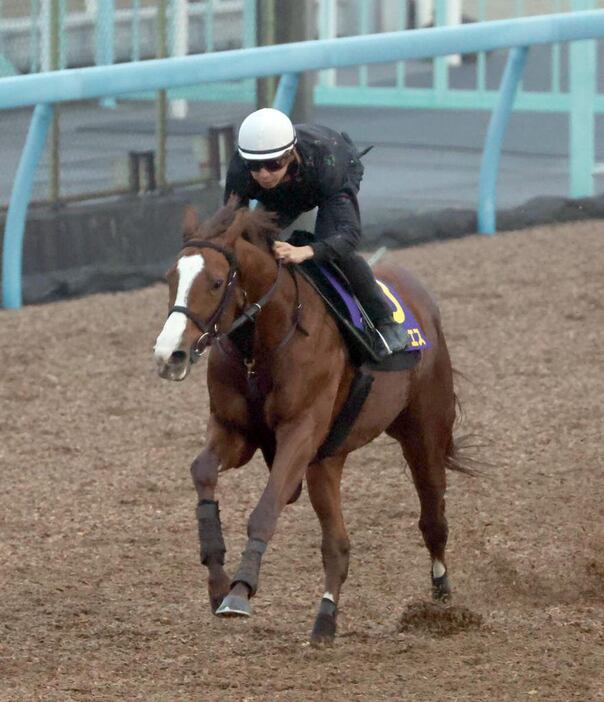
[
  {"x": 179, "y": 47},
  {"x": 440, "y": 67},
  {"x": 55, "y": 60},
  {"x": 489, "y": 168},
  {"x": 582, "y": 120},
  {"x": 249, "y": 24},
  {"x": 265, "y": 36},
  {"x": 285, "y": 96},
  {"x": 135, "y": 30},
  {"x": 12, "y": 254},
  {"x": 104, "y": 39},
  {"x": 328, "y": 29},
  {"x": 34, "y": 37},
  {"x": 162, "y": 99}
]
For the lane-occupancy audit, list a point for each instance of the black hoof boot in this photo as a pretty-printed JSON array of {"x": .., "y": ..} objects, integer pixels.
[
  {"x": 441, "y": 588},
  {"x": 324, "y": 630}
]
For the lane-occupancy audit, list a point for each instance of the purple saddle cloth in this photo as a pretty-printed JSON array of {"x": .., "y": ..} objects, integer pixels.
[{"x": 400, "y": 311}]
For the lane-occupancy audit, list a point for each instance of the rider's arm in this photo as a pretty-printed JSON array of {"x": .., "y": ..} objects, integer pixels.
[{"x": 338, "y": 226}]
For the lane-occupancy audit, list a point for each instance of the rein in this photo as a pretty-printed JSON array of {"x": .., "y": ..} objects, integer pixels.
[{"x": 209, "y": 328}]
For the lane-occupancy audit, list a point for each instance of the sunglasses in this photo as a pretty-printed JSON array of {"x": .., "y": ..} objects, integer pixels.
[{"x": 272, "y": 165}]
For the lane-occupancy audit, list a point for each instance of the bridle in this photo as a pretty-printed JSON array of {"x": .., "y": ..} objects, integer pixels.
[{"x": 209, "y": 329}]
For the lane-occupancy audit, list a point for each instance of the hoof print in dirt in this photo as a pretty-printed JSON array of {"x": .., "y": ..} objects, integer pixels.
[{"x": 437, "y": 619}]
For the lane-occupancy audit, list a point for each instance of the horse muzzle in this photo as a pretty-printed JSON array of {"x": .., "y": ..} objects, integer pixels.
[{"x": 177, "y": 366}]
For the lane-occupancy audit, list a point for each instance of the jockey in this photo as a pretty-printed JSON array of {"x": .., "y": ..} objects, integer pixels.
[{"x": 291, "y": 170}]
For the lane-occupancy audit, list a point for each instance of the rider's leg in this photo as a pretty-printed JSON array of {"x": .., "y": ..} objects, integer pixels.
[
  {"x": 364, "y": 286},
  {"x": 338, "y": 232}
]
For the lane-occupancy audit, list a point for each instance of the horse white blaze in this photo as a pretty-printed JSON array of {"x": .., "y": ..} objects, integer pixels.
[{"x": 170, "y": 337}]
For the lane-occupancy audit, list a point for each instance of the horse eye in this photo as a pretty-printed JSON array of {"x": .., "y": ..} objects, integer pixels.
[{"x": 217, "y": 284}]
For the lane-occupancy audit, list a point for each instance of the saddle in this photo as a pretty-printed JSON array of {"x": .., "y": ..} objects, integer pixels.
[{"x": 361, "y": 337}]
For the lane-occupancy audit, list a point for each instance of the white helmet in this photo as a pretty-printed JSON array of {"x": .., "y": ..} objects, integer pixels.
[{"x": 265, "y": 134}]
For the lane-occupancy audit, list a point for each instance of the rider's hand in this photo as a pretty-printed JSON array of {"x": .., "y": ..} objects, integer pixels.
[{"x": 291, "y": 254}]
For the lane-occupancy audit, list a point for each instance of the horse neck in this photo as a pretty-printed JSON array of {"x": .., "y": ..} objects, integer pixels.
[
  {"x": 258, "y": 272},
  {"x": 257, "y": 269}
]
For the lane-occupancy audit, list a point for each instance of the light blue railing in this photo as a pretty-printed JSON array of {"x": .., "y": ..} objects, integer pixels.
[
  {"x": 395, "y": 86},
  {"x": 126, "y": 30},
  {"x": 103, "y": 81}
]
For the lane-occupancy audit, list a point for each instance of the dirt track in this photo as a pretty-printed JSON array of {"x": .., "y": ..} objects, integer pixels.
[{"x": 102, "y": 595}]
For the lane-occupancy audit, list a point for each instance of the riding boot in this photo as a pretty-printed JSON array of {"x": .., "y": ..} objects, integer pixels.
[{"x": 394, "y": 336}]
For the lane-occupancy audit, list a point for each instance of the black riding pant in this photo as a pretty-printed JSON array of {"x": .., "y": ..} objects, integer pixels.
[
  {"x": 337, "y": 234},
  {"x": 363, "y": 284}
]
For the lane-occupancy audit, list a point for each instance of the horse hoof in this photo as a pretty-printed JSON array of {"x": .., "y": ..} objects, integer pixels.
[
  {"x": 441, "y": 588},
  {"x": 234, "y": 606},
  {"x": 219, "y": 586},
  {"x": 215, "y": 602},
  {"x": 324, "y": 630}
]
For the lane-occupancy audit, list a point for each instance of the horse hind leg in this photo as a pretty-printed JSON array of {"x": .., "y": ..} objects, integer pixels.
[
  {"x": 323, "y": 482},
  {"x": 425, "y": 435}
]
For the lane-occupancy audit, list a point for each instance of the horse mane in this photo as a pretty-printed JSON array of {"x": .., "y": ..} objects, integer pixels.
[
  {"x": 260, "y": 228},
  {"x": 232, "y": 222}
]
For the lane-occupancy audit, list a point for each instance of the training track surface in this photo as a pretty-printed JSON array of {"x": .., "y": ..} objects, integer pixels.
[{"x": 102, "y": 595}]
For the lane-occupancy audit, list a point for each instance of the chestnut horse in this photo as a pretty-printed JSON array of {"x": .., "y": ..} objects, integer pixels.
[{"x": 277, "y": 382}]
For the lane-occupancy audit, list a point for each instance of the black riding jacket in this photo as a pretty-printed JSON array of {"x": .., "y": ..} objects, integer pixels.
[{"x": 328, "y": 177}]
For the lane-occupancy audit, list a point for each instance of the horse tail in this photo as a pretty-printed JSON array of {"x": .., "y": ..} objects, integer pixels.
[{"x": 459, "y": 456}]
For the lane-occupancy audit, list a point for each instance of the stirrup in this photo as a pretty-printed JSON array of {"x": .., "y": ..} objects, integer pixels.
[
  {"x": 385, "y": 350},
  {"x": 395, "y": 337}
]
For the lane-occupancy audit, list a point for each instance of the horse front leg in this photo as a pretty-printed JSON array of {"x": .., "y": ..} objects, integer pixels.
[
  {"x": 323, "y": 480},
  {"x": 222, "y": 452},
  {"x": 293, "y": 454}
]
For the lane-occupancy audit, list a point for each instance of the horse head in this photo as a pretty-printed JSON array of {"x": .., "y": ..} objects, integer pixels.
[{"x": 205, "y": 293}]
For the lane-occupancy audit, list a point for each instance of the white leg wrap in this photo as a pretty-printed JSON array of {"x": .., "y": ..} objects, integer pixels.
[{"x": 438, "y": 569}]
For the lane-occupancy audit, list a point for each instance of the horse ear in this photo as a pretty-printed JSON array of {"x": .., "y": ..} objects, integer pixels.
[
  {"x": 236, "y": 228},
  {"x": 190, "y": 223}
]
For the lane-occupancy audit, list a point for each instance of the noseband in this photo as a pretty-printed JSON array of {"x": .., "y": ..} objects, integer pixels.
[{"x": 209, "y": 328}]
